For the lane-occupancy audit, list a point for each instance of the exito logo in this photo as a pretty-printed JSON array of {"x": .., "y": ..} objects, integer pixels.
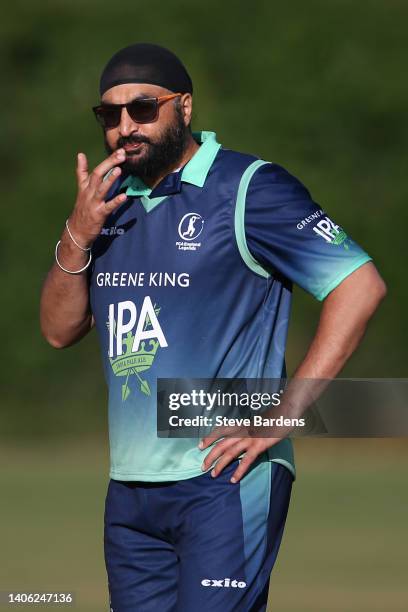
[
  {"x": 224, "y": 583},
  {"x": 133, "y": 344}
]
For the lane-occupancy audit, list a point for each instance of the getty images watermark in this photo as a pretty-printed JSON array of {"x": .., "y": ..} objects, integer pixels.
[
  {"x": 342, "y": 407},
  {"x": 216, "y": 400}
]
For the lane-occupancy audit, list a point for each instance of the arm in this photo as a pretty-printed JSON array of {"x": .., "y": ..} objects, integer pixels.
[
  {"x": 65, "y": 314},
  {"x": 343, "y": 320},
  {"x": 344, "y": 317}
]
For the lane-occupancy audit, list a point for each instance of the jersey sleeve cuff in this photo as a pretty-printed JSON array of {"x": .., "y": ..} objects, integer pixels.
[{"x": 336, "y": 281}]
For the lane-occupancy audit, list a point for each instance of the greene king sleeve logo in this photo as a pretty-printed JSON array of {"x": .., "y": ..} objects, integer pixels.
[
  {"x": 331, "y": 232},
  {"x": 133, "y": 345},
  {"x": 325, "y": 228},
  {"x": 190, "y": 227}
]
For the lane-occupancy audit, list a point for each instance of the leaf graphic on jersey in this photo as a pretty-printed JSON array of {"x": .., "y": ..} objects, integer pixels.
[
  {"x": 132, "y": 363},
  {"x": 125, "y": 392},
  {"x": 145, "y": 387},
  {"x": 341, "y": 238}
]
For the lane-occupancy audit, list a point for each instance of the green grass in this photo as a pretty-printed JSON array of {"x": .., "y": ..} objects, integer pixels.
[
  {"x": 344, "y": 548},
  {"x": 52, "y": 521}
]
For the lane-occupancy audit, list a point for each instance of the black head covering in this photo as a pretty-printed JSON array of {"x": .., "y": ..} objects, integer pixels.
[{"x": 146, "y": 63}]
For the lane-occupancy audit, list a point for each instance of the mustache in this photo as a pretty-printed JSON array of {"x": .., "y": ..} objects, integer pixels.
[{"x": 132, "y": 139}]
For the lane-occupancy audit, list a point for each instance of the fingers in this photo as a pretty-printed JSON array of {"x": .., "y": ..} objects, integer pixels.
[
  {"x": 107, "y": 182},
  {"x": 82, "y": 169},
  {"x": 243, "y": 467},
  {"x": 253, "y": 450},
  {"x": 220, "y": 432},
  {"x": 215, "y": 453},
  {"x": 209, "y": 439},
  {"x": 118, "y": 157},
  {"x": 90, "y": 205},
  {"x": 109, "y": 207},
  {"x": 228, "y": 456},
  {"x": 227, "y": 450}
]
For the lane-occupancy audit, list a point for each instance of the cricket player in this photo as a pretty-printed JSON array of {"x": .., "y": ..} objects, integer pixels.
[{"x": 182, "y": 254}]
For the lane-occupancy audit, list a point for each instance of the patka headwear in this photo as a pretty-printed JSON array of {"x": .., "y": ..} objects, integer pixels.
[{"x": 146, "y": 63}]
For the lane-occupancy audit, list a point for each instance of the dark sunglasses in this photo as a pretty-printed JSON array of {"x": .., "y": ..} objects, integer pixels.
[{"x": 142, "y": 110}]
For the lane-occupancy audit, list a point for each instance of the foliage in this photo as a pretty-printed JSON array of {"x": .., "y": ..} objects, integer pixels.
[{"x": 318, "y": 87}]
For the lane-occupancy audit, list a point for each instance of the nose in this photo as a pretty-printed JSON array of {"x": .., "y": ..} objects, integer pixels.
[{"x": 127, "y": 125}]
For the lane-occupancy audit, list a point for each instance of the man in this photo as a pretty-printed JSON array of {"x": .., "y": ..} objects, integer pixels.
[{"x": 182, "y": 254}]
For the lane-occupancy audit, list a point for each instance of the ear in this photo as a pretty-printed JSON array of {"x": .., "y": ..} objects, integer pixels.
[{"x": 186, "y": 103}]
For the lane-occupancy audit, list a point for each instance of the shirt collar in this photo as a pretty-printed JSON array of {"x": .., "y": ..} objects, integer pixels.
[{"x": 194, "y": 172}]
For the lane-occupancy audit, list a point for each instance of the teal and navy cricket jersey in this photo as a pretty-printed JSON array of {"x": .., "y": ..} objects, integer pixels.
[{"x": 194, "y": 280}]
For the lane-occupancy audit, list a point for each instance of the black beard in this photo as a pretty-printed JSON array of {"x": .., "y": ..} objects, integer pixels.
[{"x": 157, "y": 156}]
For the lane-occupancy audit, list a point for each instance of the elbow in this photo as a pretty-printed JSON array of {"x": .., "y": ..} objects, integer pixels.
[
  {"x": 54, "y": 341},
  {"x": 57, "y": 344},
  {"x": 375, "y": 293},
  {"x": 380, "y": 290},
  {"x": 60, "y": 337}
]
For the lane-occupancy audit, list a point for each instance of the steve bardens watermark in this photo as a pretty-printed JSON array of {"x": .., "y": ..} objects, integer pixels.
[
  {"x": 340, "y": 407},
  {"x": 223, "y": 421},
  {"x": 216, "y": 400}
]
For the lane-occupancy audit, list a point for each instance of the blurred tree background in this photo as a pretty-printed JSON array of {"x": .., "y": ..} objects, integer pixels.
[{"x": 315, "y": 86}]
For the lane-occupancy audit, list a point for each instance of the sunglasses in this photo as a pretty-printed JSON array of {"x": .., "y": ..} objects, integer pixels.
[{"x": 142, "y": 110}]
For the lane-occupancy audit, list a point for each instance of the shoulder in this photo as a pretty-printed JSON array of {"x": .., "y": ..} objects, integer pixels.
[
  {"x": 261, "y": 175},
  {"x": 273, "y": 179},
  {"x": 229, "y": 160}
]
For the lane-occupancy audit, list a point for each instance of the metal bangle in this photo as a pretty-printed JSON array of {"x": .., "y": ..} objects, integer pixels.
[
  {"x": 73, "y": 239},
  {"x": 65, "y": 269}
]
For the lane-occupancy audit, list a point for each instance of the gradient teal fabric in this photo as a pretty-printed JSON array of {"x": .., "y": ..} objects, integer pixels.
[{"x": 174, "y": 297}]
